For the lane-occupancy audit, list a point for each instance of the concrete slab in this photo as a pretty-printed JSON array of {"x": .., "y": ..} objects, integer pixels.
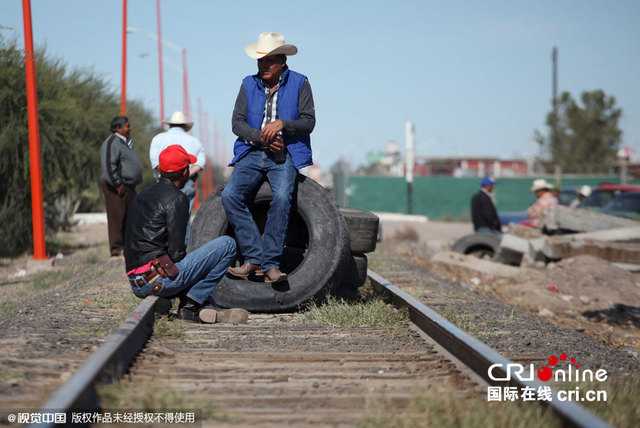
[
  {"x": 435, "y": 234},
  {"x": 478, "y": 265}
]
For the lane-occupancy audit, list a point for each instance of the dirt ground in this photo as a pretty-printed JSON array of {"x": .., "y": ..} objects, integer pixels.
[
  {"x": 559, "y": 293},
  {"x": 585, "y": 293}
]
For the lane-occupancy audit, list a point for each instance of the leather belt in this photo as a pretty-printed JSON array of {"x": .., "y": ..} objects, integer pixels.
[{"x": 149, "y": 276}]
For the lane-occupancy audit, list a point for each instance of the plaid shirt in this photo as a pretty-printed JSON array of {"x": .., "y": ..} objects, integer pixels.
[{"x": 543, "y": 207}]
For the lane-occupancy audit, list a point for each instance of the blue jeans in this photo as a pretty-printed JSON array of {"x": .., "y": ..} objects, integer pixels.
[
  {"x": 248, "y": 175},
  {"x": 198, "y": 273}
]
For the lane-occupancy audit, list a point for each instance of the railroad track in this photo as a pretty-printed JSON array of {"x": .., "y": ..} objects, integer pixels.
[{"x": 276, "y": 371}]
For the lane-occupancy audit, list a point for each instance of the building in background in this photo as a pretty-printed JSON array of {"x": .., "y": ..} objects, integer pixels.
[{"x": 391, "y": 163}]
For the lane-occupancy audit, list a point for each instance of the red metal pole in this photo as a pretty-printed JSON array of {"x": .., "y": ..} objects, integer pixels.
[
  {"x": 123, "y": 94},
  {"x": 185, "y": 87},
  {"x": 160, "y": 63},
  {"x": 216, "y": 143},
  {"x": 210, "y": 164},
  {"x": 39, "y": 250},
  {"x": 206, "y": 182},
  {"x": 203, "y": 177}
]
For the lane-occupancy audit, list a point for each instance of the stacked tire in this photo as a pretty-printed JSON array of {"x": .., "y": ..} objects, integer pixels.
[
  {"x": 363, "y": 233},
  {"x": 316, "y": 257}
]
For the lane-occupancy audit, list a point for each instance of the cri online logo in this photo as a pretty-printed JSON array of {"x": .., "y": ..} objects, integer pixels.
[{"x": 545, "y": 373}]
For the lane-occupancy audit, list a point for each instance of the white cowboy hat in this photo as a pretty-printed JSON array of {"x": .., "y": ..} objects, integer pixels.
[
  {"x": 540, "y": 184},
  {"x": 584, "y": 191},
  {"x": 269, "y": 44},
  {"x": 177, "y": 118}
]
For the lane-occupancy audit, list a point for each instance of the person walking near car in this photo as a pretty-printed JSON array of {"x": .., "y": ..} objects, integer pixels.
[
  {"x": 483, "y": 209},
  {"x": 273, "y": 117},
  {"x": 121, "y": 173},
  {"x": 583, "y": 193},
  {"x": 155, "y": 254},
  {"x": 542, "y": 211}
]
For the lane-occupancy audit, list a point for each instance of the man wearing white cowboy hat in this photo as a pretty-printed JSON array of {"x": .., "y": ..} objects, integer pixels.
[
  {"x": 273, "y": 117},
  {"x": 178, "y": 134},
  {"x": 582, "y": 193},
  {"x": 542, "y": 212}
]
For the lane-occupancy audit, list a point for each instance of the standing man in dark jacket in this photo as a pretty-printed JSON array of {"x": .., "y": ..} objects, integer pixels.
[
  {"x": 483, "y": 211},
  {"x": 156, "y": 226},
  {"x": 121, "y": 173},
  {"x": 273, "y": 118}
]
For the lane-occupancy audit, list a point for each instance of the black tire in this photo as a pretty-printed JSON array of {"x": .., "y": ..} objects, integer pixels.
[
  {"x": 315, "y": 256},
  {"x": 363, "y": 229},
  {"x": 355, "y": 277},
  {"x": 356, "y": 274},
  {"x": 481, "y": 244}
]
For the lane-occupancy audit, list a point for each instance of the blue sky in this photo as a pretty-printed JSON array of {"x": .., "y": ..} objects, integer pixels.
[{"x": 473, "y": 77}]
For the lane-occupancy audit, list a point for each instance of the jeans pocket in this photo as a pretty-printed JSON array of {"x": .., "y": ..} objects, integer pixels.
[{"x": 142, "y": 291}]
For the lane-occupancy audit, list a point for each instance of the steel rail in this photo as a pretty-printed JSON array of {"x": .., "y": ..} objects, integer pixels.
[
  {"x": 115, "y": 356},
  {"x": 108, "y": 363},
  {"x": 475, "y": 354}
]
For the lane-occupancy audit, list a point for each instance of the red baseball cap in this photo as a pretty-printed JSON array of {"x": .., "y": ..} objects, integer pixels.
[{"x": 175, "y": 158}]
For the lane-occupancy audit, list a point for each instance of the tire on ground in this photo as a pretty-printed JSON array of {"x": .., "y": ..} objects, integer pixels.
[
  {"x": 480, "y": 244},
  {"x": 354, "y": 278},
  {"x": 315, "y": 256},
  {"x": 363, "y": 229}
]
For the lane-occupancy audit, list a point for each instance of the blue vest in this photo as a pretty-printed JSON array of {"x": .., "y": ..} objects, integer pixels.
[{"x": 299, "y": 146}]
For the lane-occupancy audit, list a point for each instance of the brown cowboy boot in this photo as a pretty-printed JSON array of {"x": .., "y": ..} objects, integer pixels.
[
  {"x": 274, "y": 275},
  {"x": 244, "y": 271}
]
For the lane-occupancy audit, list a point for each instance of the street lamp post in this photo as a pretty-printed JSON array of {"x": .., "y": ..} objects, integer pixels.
[
  {"x": 160, "y": 62},
  {"x": 183, "y": 52},
  {"x": 123, "y": 93}
]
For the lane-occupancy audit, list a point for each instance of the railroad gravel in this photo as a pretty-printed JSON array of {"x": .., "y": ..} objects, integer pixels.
[{"x": 516, "y": 333}]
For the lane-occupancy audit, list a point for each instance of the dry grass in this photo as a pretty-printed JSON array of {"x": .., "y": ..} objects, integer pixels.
[
  {"x": 150, "y": 397},
  {"x": 406, "y": 234},
  {"x": 167, "y": 328},
  {"x": 621, "y": 407},
  {"x": 446, "y": 407},
  {"x": 338, "y": 313}
]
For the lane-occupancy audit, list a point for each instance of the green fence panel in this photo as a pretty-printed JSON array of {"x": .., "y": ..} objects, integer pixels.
[{"x": 448, "y": 198}]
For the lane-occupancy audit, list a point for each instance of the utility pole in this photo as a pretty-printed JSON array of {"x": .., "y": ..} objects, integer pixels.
[
  {"x": 409, "y": 165},
  {"x": 554, "y": 80},
  {"x": 160, "y": 63},
  {"x": 554, "y": 85},
  {"x": 123, "y": 86}
]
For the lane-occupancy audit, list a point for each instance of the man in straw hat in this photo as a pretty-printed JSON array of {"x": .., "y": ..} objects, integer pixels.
[
  {"x": 178, "y": 134},
  {"x": 542, "y": 211},
  {"x": 273, "y": 117}
]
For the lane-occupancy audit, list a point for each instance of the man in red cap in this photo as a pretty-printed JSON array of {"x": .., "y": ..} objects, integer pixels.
[{"x": 155, "y": 255}]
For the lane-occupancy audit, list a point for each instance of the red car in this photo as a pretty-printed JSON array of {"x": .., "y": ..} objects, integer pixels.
[{"x": 605, "y": 193}]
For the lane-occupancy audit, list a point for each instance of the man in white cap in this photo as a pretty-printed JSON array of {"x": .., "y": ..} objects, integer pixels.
[
  {"x": 273, "y": 117},
  {"x": 542, "y": 212},
  {"x": 583, "y": 193},
  {"x": 178, "y": 134}
]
